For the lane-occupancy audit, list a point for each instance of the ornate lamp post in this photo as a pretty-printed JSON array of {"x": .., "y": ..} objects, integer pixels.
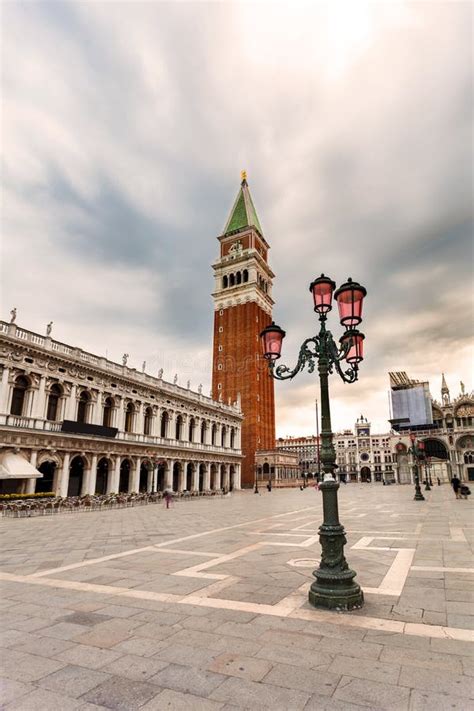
[
  {"x": 417, "y": 451},
  {"x": 255, "y": 491},
  {"x": 334, "y": 586},
  {"x": 428, "y": 465}
]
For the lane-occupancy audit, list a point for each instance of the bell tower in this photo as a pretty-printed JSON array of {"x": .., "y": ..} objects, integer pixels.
[{"x": 242, "y": 308}]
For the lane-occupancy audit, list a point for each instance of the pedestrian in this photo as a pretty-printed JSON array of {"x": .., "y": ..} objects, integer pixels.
[
  {"x": 456, "y": 484},
  {"x": 464, "y": 491},
  {"x": 439, "y": 481},
  {"x": 316, "y": 486},
  {"x": 168, "y": 498}
]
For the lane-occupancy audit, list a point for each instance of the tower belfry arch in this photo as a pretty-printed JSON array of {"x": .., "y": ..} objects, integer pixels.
[{"x": 242, "y": 309}]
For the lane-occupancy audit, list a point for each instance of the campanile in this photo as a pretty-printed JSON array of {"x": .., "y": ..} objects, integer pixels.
[{"x": 242, "y": 308}]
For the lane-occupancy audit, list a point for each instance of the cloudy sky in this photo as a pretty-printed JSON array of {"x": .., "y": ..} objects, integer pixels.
[{"x": 125, "y": 127}]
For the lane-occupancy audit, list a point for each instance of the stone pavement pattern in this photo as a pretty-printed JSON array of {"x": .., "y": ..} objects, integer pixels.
[{"x": 205, "y": 606}]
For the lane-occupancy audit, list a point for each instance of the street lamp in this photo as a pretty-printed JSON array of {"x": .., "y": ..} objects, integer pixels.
[
  {"x": 256, "y": 479},
  {"x": 334, "y": 586},
  {"x": 269, "y": 485},
  {"x": 428, "y": 465},
  {"x": 417, "y": 451}
]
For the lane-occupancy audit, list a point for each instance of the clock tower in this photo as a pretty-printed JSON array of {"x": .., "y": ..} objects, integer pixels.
[{"x": 242, "y": 308}]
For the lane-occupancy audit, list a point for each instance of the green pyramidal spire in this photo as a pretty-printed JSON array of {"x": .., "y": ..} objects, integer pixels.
[{"x": 243, "y": 213}]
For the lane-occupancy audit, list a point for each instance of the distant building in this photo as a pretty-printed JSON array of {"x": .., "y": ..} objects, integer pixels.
[
  {"x": 360, "y": 455},
  {"x": 448, "y": 439}
]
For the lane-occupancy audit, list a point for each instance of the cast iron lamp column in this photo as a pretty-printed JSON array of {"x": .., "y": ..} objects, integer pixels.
[
  {"x": 334, "y": 586},
  {"x": 255, "y": 491},
  {"x": 417, "y": 451}
]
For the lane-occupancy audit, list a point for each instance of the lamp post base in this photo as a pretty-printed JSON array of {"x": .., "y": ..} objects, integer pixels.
[
  {"x": 418, "y": 496},
  {"x": 334, "y": 587}
]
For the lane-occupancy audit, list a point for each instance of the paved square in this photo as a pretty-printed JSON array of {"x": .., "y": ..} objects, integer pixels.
[{"x": 204, "y": 606}]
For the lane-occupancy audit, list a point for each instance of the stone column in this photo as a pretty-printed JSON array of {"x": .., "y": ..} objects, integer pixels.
[
  {"x": 150, "y": 480},
  {"x": 134, "y": 480},
  {"x": 226, "y": 482},
  {"x": 207, "y": 477},
  {"x": 114, "y": 477},
  {"x": 237, "y": 477},
  {"x": 31, "y": 483},
  {"x": 92, "y": 476},
  {"x": 70, "y": 413},
  {"x": 218, "y": 483},
  {"x": 39, "y": 400},
  {"x": 4, "y": 391},
  {"x": 195, "y": 484},
  {"x": 63, "y": 483},
  {"x": 96, "y": 415},
  {"x": 169, "y": 475},
  {"x": 182, "y": 476}
]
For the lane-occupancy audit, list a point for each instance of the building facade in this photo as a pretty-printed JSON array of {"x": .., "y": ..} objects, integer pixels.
[
  {"x": 361, "y": 456},
  {"x": 76, "y": 423},
  {"x": 449, "y": 440},
  {"x": 242, "y": 309}
]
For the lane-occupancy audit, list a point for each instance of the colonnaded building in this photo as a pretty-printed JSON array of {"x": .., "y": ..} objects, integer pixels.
[{"x": 76, "y": 423}]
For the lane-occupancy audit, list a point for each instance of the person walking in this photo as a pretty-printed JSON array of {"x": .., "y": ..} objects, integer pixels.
[
  {"x": 456, "y": 484},
  {"x": 168, "y": 498}
]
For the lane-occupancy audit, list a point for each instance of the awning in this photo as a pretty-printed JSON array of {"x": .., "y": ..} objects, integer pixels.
[{"x": 14, "y": 466}]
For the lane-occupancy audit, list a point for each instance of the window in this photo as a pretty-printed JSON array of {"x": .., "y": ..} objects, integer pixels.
[
  {"x": 108, "y": 409},
  {"x": 203, "y": 431},
  {"x": 245, "y": 276},
  {"x": 147, "y": 420},
  {"x": 18, "y": 396},
  {"x": 164, "y": 424},
  {"x": 221, "y": 329},
  {"x": 179, "y": 425},
  {"x": 220, "y": 349},
  {"x": 83, "y": 407},
  {"x": 223, "y": 436},
  {"x": 129, "y": 414},
  {"x": 231, "y": 280},
  {"x": 238, "y": 278},
  {"x": 219, "y": 387},
  {"x": 232, "y": 438},
  {"x": 53, "y": 401},
  {"x": 219, "y": 367},
  {"x": 192, "y": 427},
  {"x": 213, "y": 434},
  {"x": 225, "y": 282}
]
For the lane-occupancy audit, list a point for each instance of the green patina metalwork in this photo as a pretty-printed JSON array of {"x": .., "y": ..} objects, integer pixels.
[{"x": 243, "y": 213}]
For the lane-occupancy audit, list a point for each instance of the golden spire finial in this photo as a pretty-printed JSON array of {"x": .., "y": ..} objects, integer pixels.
[{"x": 243, "y": 175}]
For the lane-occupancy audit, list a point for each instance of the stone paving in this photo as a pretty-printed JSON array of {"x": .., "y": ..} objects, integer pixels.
[{"x": 204, "y": 606}]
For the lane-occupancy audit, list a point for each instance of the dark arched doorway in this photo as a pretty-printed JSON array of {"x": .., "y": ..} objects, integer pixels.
[
  {"x": 143, "y": 483},
  {"x": 160, "y": 477},
  {"x": 176, "y": 472},
  {"x": 365, "y": 475},
  {"x": 202, "y": 473},
  {"x": 189, "y": 477},
  {"x": 47, "y": 469},
  {"x": 213, "y": 476},
  {"x": 76, "y": 475},
  {"x": 102, "y": 476},
  {"x": 125, "y": 468},
  {"x": 436, "y": 449}
]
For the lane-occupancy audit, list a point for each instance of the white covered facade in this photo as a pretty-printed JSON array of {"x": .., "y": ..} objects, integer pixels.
[{"x": 87, "y": 425}]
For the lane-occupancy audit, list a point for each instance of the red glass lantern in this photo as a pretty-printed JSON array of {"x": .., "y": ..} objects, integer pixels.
[
  {"x": 322, "y": 289},
  {"x": 272, "y": 337},
  {"x": 421, "y": 445},
  {"x": 353, "y": 340},
  {"x": 350, "y": 297}
]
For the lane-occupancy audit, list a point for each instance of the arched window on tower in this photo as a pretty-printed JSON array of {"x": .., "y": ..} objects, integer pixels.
[
  {"x": 164, "y": 424},
  {"x": 238, "y": 278},
  {"x": 19, "y": 395},
  {"x": 231, "y": 280},
  {"x": 53, "y": 402},
  {"x": 225, "y": 282},
  {"x": 147, "y": 421},
  {"x": 129, "y": 416},
  {"x": 83, "y": 406},
  {"x": 107, "y": 414},
  {"x": 245, "y": 275}
]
